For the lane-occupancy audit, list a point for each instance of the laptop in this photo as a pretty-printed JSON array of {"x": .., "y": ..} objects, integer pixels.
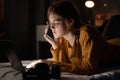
[
  {"x": 28, "y": 74},
  {"x": 8, "y": 54}
]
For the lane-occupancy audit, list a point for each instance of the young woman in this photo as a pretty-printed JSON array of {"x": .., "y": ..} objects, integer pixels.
[{"x": 76, "y": 48}]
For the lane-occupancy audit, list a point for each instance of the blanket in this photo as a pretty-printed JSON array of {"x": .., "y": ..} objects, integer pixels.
[{"x": 7, "y": 72}]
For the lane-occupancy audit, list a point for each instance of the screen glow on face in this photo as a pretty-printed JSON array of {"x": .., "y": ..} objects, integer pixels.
[{"x": 54, "y": 24}]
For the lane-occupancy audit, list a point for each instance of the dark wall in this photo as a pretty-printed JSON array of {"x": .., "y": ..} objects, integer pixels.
[
  {"x": 21, "y": 18},
  {"x": 19, "y": 26},
  {"x": 40, "y": 8}
]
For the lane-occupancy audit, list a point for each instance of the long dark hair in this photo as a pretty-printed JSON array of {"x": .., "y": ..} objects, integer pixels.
[{"x": 67, "y": 10}]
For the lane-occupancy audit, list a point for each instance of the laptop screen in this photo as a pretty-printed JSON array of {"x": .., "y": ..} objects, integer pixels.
[
  {"x": 5, "y": 47},
  {"x": 8, "y": 54}
]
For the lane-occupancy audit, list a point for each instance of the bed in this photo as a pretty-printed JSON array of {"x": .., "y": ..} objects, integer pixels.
[{"x": 9, "y": 73}]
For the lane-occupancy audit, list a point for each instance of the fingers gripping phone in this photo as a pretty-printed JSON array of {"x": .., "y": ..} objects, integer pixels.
[{"x": 48, "y": 32}]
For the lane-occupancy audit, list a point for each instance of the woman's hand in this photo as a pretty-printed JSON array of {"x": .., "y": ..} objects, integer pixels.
[
  {"x": 53, "y": 42},
  {"x": 33, "y": 63}
]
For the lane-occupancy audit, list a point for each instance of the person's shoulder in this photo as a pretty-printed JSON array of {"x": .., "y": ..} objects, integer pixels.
[{"x": 87, "y": 27}]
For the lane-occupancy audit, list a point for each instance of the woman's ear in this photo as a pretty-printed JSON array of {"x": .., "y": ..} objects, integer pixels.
[{"x": 71, "y": 22}]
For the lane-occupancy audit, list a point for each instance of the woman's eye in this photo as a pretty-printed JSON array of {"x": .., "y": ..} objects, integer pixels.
[{"x": 57, "y": 23}]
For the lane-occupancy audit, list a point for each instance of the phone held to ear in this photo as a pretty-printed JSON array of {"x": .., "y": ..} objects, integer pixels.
[{"x": 48, "y": 32}]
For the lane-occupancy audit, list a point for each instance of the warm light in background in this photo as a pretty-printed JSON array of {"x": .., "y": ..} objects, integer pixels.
[{"x": 89, "y": 4}]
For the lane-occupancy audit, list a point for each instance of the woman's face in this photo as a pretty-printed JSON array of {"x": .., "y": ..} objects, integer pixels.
[{"x": 57, "y": 25}]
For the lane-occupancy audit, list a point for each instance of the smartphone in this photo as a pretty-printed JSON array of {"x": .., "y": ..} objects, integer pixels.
[{"x": 48, "y": 31}]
